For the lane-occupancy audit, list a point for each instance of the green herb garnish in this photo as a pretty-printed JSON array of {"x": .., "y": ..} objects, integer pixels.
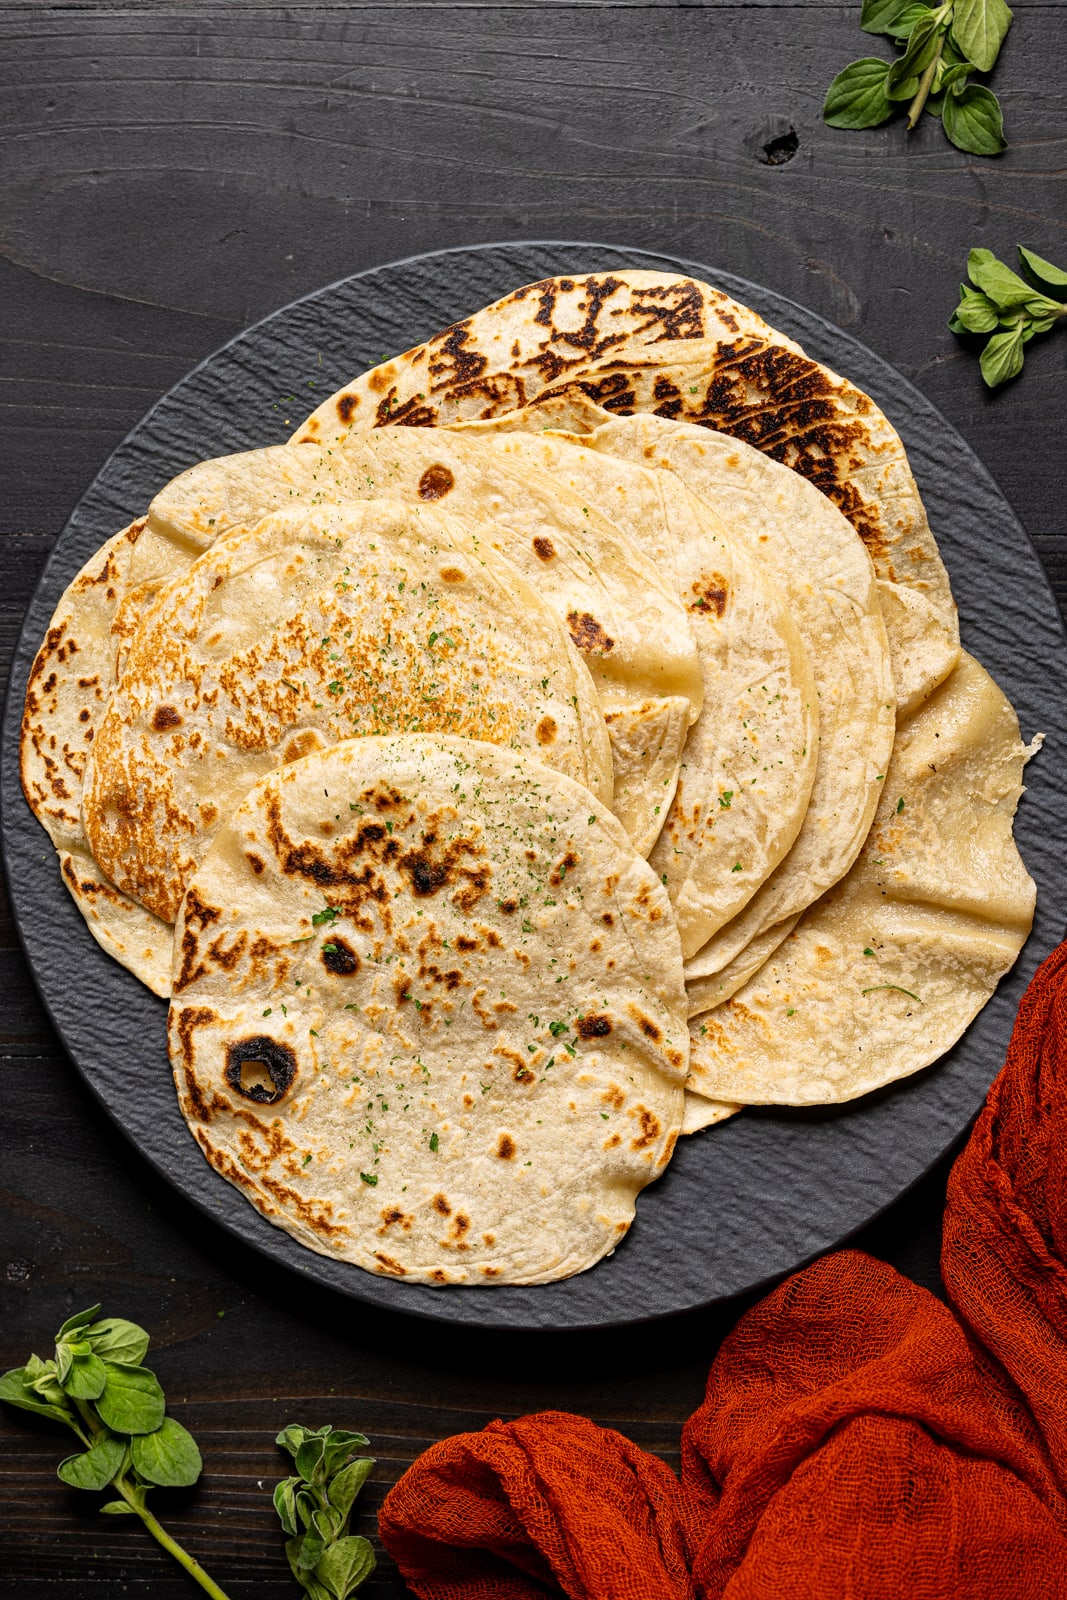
[
  {"x": 874, "y": 987},
  {"x": 96, "y": 1386},
  {"x": 434, "y": 1142},
  {"x": 1010, "y": 308},
  {"x": 315, "y": 1507},
  {"x": 327, "y": 914},
  {"x": 943, "y": 46}
]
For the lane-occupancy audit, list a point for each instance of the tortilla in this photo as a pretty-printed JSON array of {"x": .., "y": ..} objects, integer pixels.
[
  {"x": 883, "y": 975},
  {"x": 661, "y": 342},
  {"x": 814, "y": 556},
  {"x": 313, "y": 628},
  {"x": 366, "y": 1035},
  {"x": 68, "y": 687},
  {"x": 642, "y": 658},
  {"x": 749, "y": 762}
]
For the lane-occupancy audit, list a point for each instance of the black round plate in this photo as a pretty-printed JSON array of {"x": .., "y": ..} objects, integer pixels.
[{"x": 743, "y": 1203}]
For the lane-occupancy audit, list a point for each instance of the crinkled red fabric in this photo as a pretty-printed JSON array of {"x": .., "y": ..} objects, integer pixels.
[{"x": 857, "y": 1439}]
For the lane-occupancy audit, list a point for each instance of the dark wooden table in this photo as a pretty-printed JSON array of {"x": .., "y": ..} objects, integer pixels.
[{"x": 171, "y": 173}]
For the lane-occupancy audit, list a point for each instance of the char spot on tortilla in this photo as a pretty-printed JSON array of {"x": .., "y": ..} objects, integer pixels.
[
  {"x": 587, "y": 633},
  {"x": 435, "y": 482},
  {"x": 452, "y": 575},
  {"x": 441, "y": 1205},
  {"x": 546, "y": 730},
  {"x": 710, "y": 594},
  {"x": 595, "y": 1027},
  {"x": 506, "y": 1147},
  {"x": 544, "y": 548},
  {"x": 339, "y": 957},
  {"x": 260, "y": 1068},
  {"x": 166, "y": 717},
  {"x": 346, "y": 404}
]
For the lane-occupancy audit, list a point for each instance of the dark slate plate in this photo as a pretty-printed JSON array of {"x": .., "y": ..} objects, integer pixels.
[{"x": 743, "y": 1203}]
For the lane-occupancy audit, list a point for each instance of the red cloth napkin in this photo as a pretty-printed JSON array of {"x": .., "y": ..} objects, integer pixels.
[{"x": 857, "y": 1439}]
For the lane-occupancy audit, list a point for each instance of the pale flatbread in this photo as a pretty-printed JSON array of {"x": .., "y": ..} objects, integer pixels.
[
  {"x": 642, "y": 657},
  {"x": 883, "y": 975},
  {"x": 311, "y": 629},
  {"x": 750, "y": 758},
  {"x": 450, "y": 1052},
  {"x": 814, "y": 556}
]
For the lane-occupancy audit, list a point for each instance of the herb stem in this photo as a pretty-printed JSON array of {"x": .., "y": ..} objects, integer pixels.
[
  {"x": 916, "y": 108},
  {"x": 160, "y": 1534}
]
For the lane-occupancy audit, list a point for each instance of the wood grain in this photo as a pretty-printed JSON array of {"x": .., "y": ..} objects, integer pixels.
[{"x": 170, "y": 173}]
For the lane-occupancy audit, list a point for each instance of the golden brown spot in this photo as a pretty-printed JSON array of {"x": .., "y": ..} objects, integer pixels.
[
  {"x": 441, "y": 1205},
  {"x": 608, "y": 920},
  {"x": 209, "y": 814},
  {"x": 346, "y": 404},
  {"x": 647, "y": 1026},
  {"x": 439, "y": 1275},
  {"x": 546, "y": 730},
  {"x": 490, "y": 1272},
  {"x": 506, "y": 1147},
  {"x": 452, "y": 575},
  {"x": 587, "y": 633},
  {"x": 302, "y": 744},
  {"x": 650, "y": 1129},
  {"x": 616, "y": 1138},
  {"x": 711, "y": 594},
  {"x": 435, "y": 482},
  {"x": 387, "y": 1264},
  {"x": 594, "y": 1027},
  {"x": 544, "y": 548},
  {"x": 613, "y": 1096},
  {"x": 165, "y": 717},
  {"x": 257, "y": 863}
]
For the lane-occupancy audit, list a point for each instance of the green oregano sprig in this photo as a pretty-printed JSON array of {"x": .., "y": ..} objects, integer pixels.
[
  {"x": 1010, "y": 308},
  {"x": 315, "y": 1506},
  {"x": 943, "y": 46},
  {"x": 95, "y": 1385}
]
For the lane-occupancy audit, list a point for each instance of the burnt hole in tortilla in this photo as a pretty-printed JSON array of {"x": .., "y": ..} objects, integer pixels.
[
  {"x": 435, "y": 482},
  {"x": 339, "y": 957},
  {"x": 260, "y": 1068}
]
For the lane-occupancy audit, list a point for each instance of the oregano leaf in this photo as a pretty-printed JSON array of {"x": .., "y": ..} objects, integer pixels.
[
  {"x": 1002, "y": 357},
  {"x": 345, "y": 1565},
  {"x": 95, "y": 1467},
  {"x": 118, "y": 1340},
  {"x": 922, "y": 48},
  {"x": 117, "y": 1508},
  {"x": 857, "y": 97},
  {"x": 973, "y": 121},
  {"x": 132, "y": 1400},
  {"x": 86, "y": 1378},
  {"x": 80, "y": 1319},
  {"x": 168, "y": 1457},
  {"x": 979, "y": 28},
  {"x": 1042, "y": 272}
]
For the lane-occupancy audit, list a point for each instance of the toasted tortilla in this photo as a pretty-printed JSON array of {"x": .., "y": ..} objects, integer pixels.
[
  {"x": 660, "y": 342},
  {"x": 822, "y": 568},
  {"x": 317, "y": 627},
  {"x": 442, "y": 1036},
  {"x": 883, "y": 975},
  {"x": 642, "y": 658},
  {"x": 750, "y": 758}
]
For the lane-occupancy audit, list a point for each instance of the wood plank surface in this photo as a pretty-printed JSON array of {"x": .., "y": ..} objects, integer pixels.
[{"x": 170, "y": 173}]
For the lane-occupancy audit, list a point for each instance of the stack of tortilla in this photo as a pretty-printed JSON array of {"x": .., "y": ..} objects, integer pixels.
[{"x": 562, "y": 743}]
